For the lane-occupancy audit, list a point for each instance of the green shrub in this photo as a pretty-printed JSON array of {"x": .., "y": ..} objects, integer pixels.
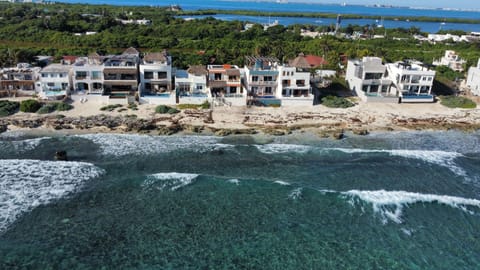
[
  {"x": 61, "y": 106},
  {"x": 336, "y": 102},
  {"x": 8, "y": 107},
  {"x": 162, "y": 109},
  {"x": 47, "y": 108},
  {"x": 30, "y": 106},
  {"x": 457, "y": 102},
  {"x": 122, "y": 109},
  {"x": 173, "y": 111}
]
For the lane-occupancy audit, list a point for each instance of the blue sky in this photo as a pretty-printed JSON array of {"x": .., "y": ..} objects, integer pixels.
[{"x": 461, "y": 4}]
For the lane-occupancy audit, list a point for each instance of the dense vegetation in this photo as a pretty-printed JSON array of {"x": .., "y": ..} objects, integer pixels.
[
  {"x": 457, "y": 102},
  {"x": 30, "y": 105},
  {"x": 8, "y": 107},
  {"x": 27, "y": 30},
  {"x": 336, "y": 102},
  {"x": 166, "y": 109}
]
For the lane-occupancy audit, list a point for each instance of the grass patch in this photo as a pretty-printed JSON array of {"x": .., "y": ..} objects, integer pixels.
[
  {"x": 457, "y": 102},
  {"x": 204, "y": 105},
  {"x": 56, "y": 106},
  {"x": 8, "y": 107},
  {"x": 336, "y": 102},
  {"x": 110, "y": 108}
]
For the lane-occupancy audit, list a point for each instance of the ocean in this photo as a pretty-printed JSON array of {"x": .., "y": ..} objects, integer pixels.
[
  {"x": 272, "y": 6},
  {"x": 397, "y": 200}
]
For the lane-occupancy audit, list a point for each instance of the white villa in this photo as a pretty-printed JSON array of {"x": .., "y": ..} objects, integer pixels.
[
  {"x": 261, "y": 79},
  {"x": 55, "y": 81},
  {"x": 473, "y": 79},
  {"x": 294, "y": 82},
  {"x": 368, "y": 79},
  {"x": 412, "y": 81},
  {"x": 191, "y": 85},
  {"x": 88, "y": 75},
  {"x": 225, "y": 84},
  {"x": 451, "y": 60},
  {"x": 156, "y": 79}
]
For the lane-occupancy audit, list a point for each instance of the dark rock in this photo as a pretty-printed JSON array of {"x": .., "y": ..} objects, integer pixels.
[
  {"x": 3, "y": 128},
  {"x": 338, "y": 135},
  {"x": 61, "y": 155},
  {"x": 361, "y": 132}
]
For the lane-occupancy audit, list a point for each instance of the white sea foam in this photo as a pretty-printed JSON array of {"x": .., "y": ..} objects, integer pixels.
[
  {"x": 390, "y": 204},
  {"x": 171, "y": 180},
  {"x": 275, "y": 148},
  {"x": 283, "y": 183},
  {"x": 441, "y": 158},
  {"x": 25, "y": 184},
  {"x": 234, "y": 181},
  {"x": 126, "y": 144},
  {"x": 295, "y": 194},
  {"x": 28, "y": 145}
]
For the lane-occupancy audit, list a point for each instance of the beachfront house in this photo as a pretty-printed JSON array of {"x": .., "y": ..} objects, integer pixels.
[
  {"x": 261, "y": 80},
  {"x": 224, "y": 82},
  {"x": 294, "y": 83},
  {"x": 452, "y": 60},
  {"x": 54, "y": 81},
  {"x": 191, "y": 85},
  {"x": 156, "y": 79},
  {"x": 367, "y": 79},
  {"x": 412, "y": 81},
  {"x": 87, "y": 75},
  {"x": 473, "y": 79},
  {"x": 19, "y": 81}
]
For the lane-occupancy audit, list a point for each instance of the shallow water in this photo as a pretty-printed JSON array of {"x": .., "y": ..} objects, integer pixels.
[{"x": 391, "y": 201}]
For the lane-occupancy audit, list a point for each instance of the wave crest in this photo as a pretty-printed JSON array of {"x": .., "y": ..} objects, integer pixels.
[
  {"x": 390, "y": 204},
  {"x": 171, "y": 180},
  {"x": 25, "y": 184}
]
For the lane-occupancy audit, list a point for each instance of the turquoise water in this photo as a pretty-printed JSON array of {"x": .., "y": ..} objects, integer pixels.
[{"x": 383, "y": 201}]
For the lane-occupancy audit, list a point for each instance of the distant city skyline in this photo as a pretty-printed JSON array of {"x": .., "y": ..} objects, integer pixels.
[{"x": 458, "y": 4}]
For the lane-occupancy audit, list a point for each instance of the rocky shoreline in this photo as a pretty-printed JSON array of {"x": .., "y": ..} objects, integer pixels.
[{"x": 333, "y": 124}]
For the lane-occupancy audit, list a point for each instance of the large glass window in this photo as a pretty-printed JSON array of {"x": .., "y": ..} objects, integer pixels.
[{"x": 148, "y": 75}]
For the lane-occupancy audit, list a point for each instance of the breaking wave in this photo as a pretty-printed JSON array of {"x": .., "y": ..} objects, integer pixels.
[
  {"x": 26, "y": 184},
  {"x": 390, "y": 204},
  {"x": 441, "y": 158},
  {"x": 126, "y": 144},
  {"x": 171, "y": 180},
  {"x": 276, "y": 148}
]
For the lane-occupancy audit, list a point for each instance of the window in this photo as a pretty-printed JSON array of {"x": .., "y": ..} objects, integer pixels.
[
  {"x": 44, "y": 75},
  {"x": 364, "y": 88},
  {"x": 148, "y": 75},
  {"x": 416, "y": 78},
  {"x": 384, "y": 88},
  {"x": 162, "y": 75},
  {"x": 232, "y": 78},
  {"x": 218, "y": 76},
  {"x": 81, "y": 75},
  {"x": 373, "y": 88},
  {"x": 300, "y": 82},
  {"x": 96, "y": 75},
  {"x": 50, "y": 84},
  {"x": 199, "y": 87},
  {"x": 268, "y": 90},
  {"x": 233, "y": 90},
  {"x": 268, "y": 78},
  {"x": 64, "y": 86},
  {"x": 254, "y": 78}
]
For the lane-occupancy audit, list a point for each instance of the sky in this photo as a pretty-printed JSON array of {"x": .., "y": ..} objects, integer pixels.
[{"x": 458, "y": 4}]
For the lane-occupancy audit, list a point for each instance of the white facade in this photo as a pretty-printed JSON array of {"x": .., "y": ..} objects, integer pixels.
[
  {"x": 261, "y": 79},
  {"x": 191, "y": 85},
  {"x": 224, "y": 83},
  {"x": 412, "y": 81},
  {"x": 367, "y": 78},
  {"x": 294, "y": 86},
  {"x": 87, "y": 76},
  {"x": 54, "y": 81},
  {"x": 473, "y": 79},
  {"x": 451, "y": 60}
]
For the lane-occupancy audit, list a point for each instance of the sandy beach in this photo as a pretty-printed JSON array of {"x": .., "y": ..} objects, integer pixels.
[{"x": 360, "y": 119}]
